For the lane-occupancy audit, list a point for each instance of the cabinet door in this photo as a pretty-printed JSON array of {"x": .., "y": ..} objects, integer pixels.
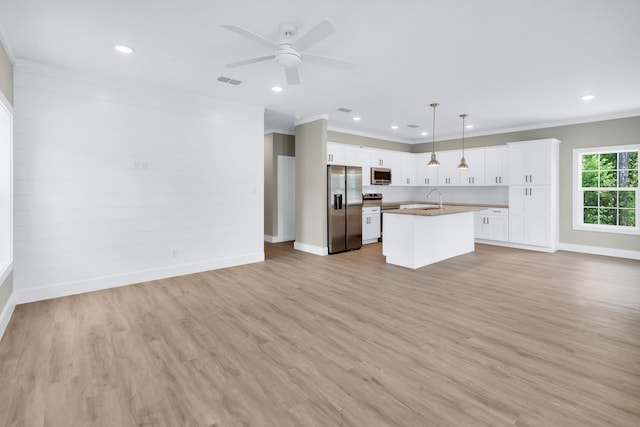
[
  {"x": 538, "y": 216},
  {"x": 370, "y": 226},
  {"x": 384, "y": 159},
  {"x": 425, "y": 175},
  {"x": 529, "y": 215},
  {"x": 359, "y": 156},
  {"x": 497, "y": 228},
  {"x": 335, "y": 154},
  {"x": 448, "y": 172},
  {"x": 475, "y": 174},
  {"x": 529, "y": 163},
  {"x": 408, "y": 169},
  {"x": 479, "y": 228},
  {"x": 496, "y": 166}
]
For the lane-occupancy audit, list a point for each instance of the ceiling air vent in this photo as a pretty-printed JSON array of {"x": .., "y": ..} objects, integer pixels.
[
  {"x": 345, "y": 110},
  {"x": 413, "y": 126},
  {"x": 229, "y": 80}
]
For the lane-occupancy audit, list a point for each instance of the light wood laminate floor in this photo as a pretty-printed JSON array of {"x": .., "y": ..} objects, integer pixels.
[{"x": 498, "y": 337}]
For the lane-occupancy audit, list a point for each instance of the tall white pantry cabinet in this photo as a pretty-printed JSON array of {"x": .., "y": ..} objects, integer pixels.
[{"x": 533, "y": 194}]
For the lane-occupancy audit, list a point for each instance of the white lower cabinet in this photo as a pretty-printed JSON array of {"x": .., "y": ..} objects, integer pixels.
[
  {"x": 530, "y": 215},
  {"x": 370, "y": 225},
  {"x": 492, "y": 224}
]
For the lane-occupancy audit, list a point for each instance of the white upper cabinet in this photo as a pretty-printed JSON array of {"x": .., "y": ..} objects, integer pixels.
[
  {"x": 335, "y": 153},
  {"x": 425, "y": 175},
  {"x": 496, "y": 166},
  {"x": 475, "y": 174},
  {"x": 529, "y": 162},
  {"x": 384, "y": 159},
  {"x": 448, "y": 172},
  {"x": 407, "y": 169},
  {"x": 359, "y": 156}
]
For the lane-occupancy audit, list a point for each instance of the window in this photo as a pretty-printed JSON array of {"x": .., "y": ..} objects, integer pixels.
[{"x": 605, "y": 190}]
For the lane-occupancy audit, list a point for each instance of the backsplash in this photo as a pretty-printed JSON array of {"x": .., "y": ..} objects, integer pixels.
[{"x": 466, "y": 194}]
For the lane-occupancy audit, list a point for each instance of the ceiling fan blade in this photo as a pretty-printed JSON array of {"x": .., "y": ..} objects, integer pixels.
[
  {"x": 329, "y": 61},
  {"x": 253, "y": 36},
  {"x": 315, "y": 35},
  {"x": 292, "y": 75},
  {"x": 250, "y": 61}
]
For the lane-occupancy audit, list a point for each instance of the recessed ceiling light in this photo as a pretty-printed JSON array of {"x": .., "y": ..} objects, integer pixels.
[
  {"x": 587, "y": 97},
  {"x": 297, "y": 117},
  {"x": 276, "y": 89},
  {"x": 424, "y": 133},
  {"x": 356, "y": 118},
  {"x": 123, "y": 49},
  {"x": 394, "y": 127},
  {"x": 469, "y": 126}
]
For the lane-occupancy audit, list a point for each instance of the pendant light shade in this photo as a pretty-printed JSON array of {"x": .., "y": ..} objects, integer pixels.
[
  {"x": 434, "y": 161},
  {"x": 463, "y": 163}
]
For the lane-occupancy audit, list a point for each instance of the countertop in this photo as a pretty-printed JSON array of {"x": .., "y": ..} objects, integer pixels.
[
  {"x": 396, "y": 205},
  {"x": 445, "y": 210}
]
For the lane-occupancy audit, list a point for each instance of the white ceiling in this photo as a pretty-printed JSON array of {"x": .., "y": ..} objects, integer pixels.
[{"x": 508, "y": 64}]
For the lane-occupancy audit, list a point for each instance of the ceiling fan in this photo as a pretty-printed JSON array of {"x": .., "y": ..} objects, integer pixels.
[{"x": 289, "y": 53}]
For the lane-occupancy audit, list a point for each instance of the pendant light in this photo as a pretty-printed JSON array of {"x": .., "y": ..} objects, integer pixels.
[
  {"x": 463, "y": 163},
  {"x": 434, "y": 161}
]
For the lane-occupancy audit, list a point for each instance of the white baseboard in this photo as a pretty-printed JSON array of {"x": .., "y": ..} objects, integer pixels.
[
  {"x": 517, "y": 245},
  {"x": 312, "y": 249},
  {"x": 596, "y": 250},
  {"x": 5, "y": 316},
  {"x": 278, "y": 239},
  {"x": 21, "y": 296}
]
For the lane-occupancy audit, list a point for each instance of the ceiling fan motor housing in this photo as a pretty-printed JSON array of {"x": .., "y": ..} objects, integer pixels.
[{"x": 287, "y": 56}]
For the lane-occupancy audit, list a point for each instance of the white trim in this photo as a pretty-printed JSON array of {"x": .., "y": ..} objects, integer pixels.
[
  {"x": 278, "y": 239},
  {"x": 5, "y": 315},
  {"x": 312, "y": 249},
  {"x": 577, "y": 218},
  {"x": 373, "y": 135},
  {"x": 310, "y": 119},
  {"x": 289, "y": 132},
  {"x": 549, "y": 249},
  {"x": 117, "y": 280},
  {"x": 6, "y": 272},
  {"x": 596, "y": 250}
]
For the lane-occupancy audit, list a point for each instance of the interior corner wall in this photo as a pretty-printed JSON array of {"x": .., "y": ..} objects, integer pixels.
[
  {"x": 311, "y": 186},
  {"x": 119, "y": 183},
  {"x": 603, "y": 133}
]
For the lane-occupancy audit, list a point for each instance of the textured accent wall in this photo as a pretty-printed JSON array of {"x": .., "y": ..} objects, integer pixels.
[{"x": 117, "y": 183}]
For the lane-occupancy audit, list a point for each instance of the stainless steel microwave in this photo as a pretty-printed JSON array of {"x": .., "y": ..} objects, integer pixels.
[{"x": 380, "y": 176}]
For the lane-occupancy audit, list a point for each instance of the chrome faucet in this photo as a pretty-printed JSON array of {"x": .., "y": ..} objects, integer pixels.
[{"x": 439, "y": 194}]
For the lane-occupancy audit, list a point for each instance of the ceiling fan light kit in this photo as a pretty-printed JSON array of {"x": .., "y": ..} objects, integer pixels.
[{"x": 289, "y": 53}]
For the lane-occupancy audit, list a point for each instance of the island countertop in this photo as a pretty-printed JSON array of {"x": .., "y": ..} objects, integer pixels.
[{"x": 445, "y": 210}]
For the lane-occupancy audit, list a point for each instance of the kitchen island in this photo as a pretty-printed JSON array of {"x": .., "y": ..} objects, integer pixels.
[{"x": 417, "y": 237}]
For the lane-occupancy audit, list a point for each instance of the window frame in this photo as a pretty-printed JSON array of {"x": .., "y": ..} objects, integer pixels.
[{"x": 578, "y": 196}]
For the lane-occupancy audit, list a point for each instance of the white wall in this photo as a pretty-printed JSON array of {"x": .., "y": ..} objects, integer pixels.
[{"x": 116, "y": 183}]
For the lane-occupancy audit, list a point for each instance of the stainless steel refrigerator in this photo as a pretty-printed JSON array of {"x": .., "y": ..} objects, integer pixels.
[{"x": 344, "y": 204}]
